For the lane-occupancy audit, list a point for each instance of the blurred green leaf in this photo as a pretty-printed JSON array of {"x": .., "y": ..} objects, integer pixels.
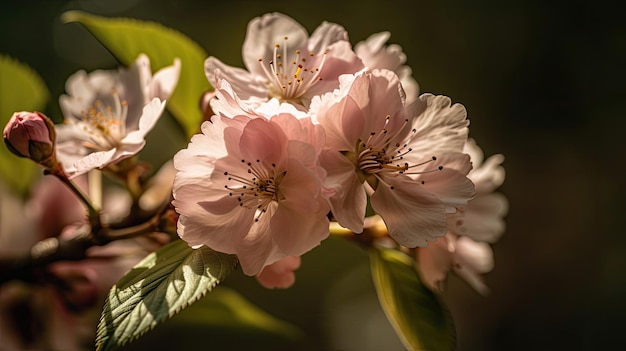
[
  {"x": 126, "y": 38},
  {"x": 158, "y": 287},
  {"x": 21, "y": 89},
  {"x": 421, "y": 321},
  {"x": 224, "y": 317}
]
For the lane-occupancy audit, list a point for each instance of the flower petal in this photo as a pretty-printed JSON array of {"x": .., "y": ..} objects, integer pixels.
[
  {"x": 164, "y": 81},
  {"x": 264, "y": 32},
  {"x": 434, "y": 263},
  {"x": 412, "y": 214},
  {"x": 92, "y": 161},
  {"x": 280, "y": 274},
  {"x": 482, "y": 219},
  {"x": 300, "y": 222},
  {"x": 349, "y": 202},
  {"x": 246, "y": 84},
  {"x": 440, "y": 127},
  {"x": 151, "y": 114}
]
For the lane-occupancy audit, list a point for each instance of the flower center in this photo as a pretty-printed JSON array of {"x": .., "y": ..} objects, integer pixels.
[
  {"x": 257, "y": 188},
  {"x": 104, "y": 123},
  {"x": 383, "y": 154},
  {"x": 291, "y": 74}
]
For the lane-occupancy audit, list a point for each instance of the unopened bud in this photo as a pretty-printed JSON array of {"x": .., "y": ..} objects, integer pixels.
[{"x": 31, "y": 135}]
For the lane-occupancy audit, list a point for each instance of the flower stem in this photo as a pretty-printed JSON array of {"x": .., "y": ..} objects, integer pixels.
[{"x": 94, "y": 213}]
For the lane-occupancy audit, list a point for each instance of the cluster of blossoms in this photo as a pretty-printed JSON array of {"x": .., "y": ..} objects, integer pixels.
[{"x": 315, "y": 130}]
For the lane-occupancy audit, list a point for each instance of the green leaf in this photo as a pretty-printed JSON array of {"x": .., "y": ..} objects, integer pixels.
[
  {"x": 421, "y": 321},
  {"x": 158, "y": 287},
  {"x": 126, "y": 38},
  {"x": 21, "y": 89},
  {"x": 223, "y": 316}
]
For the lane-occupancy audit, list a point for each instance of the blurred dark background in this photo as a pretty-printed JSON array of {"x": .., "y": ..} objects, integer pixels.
[{"x": 543, "y": 82}]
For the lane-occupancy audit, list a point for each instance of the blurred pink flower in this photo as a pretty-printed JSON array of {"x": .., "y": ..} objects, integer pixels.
[
  {"x": 283, "y": 62},
  {"x": 108, "y": 114},
  {"x": 252, "y": 187},
  {"x": 407, "y": 157}
]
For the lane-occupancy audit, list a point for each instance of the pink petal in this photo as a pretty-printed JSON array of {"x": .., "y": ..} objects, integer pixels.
[
  {"x": 412, "y": 214},
  {"x": 300, "y": 222},
  {"x": 349, "y": 203},
  {"x": 434, "y": 263},
  {"x": 452, "y": 187},
  {"x": 263, "y": 141},
  {"x": 440, "y": 127},
  {"x": 326, "y": 34}
]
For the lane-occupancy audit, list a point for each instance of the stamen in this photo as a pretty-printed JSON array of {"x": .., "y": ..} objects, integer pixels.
[
  {"x": 383, "y": 153},
  {"x": 103, "y": 123},
  {"x": 257, "y": 188},
  {"x": 288, "y": 82}
]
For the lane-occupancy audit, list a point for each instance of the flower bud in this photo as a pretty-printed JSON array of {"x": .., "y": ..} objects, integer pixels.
[{"x": 31, "y": 135}]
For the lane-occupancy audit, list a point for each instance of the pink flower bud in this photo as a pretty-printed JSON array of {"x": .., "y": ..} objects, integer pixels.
[
  {"x": 31, "y": 135},
  {"x": 280, "y": 274}
]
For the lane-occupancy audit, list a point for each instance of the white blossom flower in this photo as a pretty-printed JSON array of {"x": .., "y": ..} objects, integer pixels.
[
  {"x": 406, "y": 157},
  {"x": 283, "y": 62},
  {"x": 109, "y": 112},
  {"x": 252, "y": 187}
]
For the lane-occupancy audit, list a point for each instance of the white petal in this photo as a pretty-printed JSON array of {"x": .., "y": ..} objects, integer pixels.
[
  {"x": 482, "y": 219},
  {"x": 265, "y": 32},
  {"x": 92, "y": 161},
  {"x": 245, "y": 83},
  {"x": 164, "y": 81},
  {"x": 151, "y": 114},
  {"x": 476, "y": 255}
]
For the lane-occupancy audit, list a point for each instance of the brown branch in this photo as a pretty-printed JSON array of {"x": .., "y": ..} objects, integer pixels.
[{"x": 28, "y": 267}]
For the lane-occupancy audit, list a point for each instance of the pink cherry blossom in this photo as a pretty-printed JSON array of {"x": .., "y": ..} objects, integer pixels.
[
  {"x": 465, "y": 249},
  {"x": 283, "y": 62},
  {"x": 406, "y": 157},
  {"x": 252, "y": 187},
  {"x": 108, "y": 114},
  {"x": 375, "y": 54}
]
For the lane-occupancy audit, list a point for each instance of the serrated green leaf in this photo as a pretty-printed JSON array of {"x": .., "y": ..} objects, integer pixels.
[
  {"x": 158, "y": 287},
  {"x": 126, "y": 38},
  {"x": 21, "y": 89},
  {"x": 420, "y": 319}
]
